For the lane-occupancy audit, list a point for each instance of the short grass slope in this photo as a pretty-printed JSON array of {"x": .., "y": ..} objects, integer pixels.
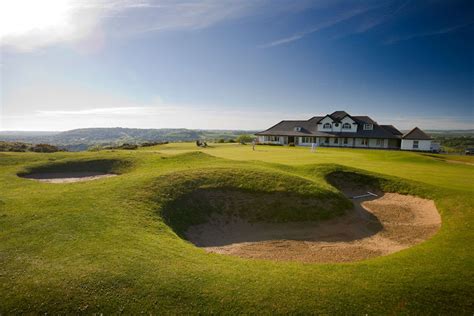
[{"x": 116, "y": 245}]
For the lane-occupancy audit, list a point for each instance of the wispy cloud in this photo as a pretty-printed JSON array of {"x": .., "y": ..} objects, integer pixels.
[
  {"x": 29, "y": 24},
  {"x": 383, "y": 14},
  {"x": 442, "y": 31},
  {"x": 323, "y": 25},
  {"x": 159, "y": 116},
  {"x": 60, "y": 107},
  {"x": 135, "y": 110}
]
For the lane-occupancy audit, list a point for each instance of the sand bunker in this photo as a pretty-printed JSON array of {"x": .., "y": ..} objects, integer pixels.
[
  {"x": 377, "y": 226},
  {"x": 68, "y": 177}
]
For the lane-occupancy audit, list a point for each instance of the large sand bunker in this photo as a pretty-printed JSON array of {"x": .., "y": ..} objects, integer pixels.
[
  {"x": 376, "y": 226},
  {"x": 67, "y": 177}
]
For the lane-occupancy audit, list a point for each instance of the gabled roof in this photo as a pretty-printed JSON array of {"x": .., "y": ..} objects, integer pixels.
[
  {"x": 316, "y": 119},
  {"x": 338, "y": 115},
  {"x": 377, "y": 131},
  {"x": 392, "y": 129},
  {"x": 416, "y": 133},
  {"x": 288, "y": 128},
  {"x": 363, "y": 120}
]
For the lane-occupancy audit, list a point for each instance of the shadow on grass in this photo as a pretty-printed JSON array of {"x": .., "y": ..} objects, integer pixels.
[
  {"x": 237, "y": 207},
  {"x": 87, "y": 167}
]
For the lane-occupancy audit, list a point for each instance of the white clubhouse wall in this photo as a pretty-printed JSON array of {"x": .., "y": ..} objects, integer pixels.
[{"x": 423, "y": 145}]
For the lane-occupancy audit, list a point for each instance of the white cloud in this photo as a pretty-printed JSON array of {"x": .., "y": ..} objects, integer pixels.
[
  {"x": 97, "y": 111},
  {"x": 44, "y": 107},
  {"x": 159, "y": 116},
  {"x": 27, "y": 25}
]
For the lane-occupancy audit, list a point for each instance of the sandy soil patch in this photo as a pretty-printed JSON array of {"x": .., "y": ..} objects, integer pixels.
[
  {"x": 375, "y": 227},
  {"x": 68, "y": 177}
]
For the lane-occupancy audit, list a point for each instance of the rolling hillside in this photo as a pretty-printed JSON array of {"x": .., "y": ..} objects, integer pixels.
[{"x": 81, "y": 139}]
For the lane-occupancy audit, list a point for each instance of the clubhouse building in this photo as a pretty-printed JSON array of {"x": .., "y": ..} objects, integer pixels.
[{"x": 340, "y": 129}]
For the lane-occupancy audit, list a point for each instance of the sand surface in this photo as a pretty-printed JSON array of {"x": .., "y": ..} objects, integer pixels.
[
  {"x": 68, "y": 177},
  {"x": 377, "y": 226}
]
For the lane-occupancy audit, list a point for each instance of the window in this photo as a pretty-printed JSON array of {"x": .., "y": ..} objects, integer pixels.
[
  {"x": 415, "y": 144},
  {"x": 346, "y": 141},
  {"x": 326, "y": 140},
  {"x": 368, "y": 127},
  {"x": 327, "y": 125},
  {"x": 297, "y": 129},
  {"x": 346, "y": 126},
  {"x": 364, "y": 141},
  {"x": 336, "y": 124},
  {"x": 307, "y": 140},
  {"x": 273, "y": 138},
  {"x": 379, "y": 142},
  {"x": 336, "y": 140}
]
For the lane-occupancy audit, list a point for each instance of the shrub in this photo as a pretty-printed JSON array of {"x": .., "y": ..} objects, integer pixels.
[
  {"x": 245, "y": 138},
  {"x": 45, "y": 148},
  {"x": 95, "y": 148},
  {"x": 291, "y": 144},
  {"x": 129, "y": 146},
  {"x": 149, "y": 144}
]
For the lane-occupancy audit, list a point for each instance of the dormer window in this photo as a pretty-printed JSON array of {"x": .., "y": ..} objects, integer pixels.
[
  {"x": 327, "y": 125},
  {"x": 368, "y": 127},
  {"x": 336, "y": 124},
  {"x": 297, "y": 129},
  {"x": 346, "y": 126}
]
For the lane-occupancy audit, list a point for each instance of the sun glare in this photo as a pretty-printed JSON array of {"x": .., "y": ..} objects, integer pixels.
[{"x": 19, "y": 17}]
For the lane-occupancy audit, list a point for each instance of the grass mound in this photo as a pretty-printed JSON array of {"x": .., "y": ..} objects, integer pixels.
[
  {"x": 355, "y": 182},
  {"x": 257, "y": 196}
]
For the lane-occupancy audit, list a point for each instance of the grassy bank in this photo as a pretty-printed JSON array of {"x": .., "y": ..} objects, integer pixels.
[{"x": 106, "y": 246}]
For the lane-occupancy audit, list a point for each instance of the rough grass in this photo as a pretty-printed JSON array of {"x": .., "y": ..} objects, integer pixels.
[{"x": 104, "y": 247}]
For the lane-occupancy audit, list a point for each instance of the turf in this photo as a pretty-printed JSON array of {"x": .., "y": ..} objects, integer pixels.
[{"x": 113, "y": 245}]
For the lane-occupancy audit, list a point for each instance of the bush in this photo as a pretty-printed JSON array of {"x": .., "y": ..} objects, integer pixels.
[
  {"x": 291, "y": 144},
  {"x": 45, "y": 148},
  {"x": 149, "y": 144},
  {"x": 231, "y": 141},
  {"x": 222, "y": 140},
  {"x": 129, "y": 146},
  {"x": 245, "y": 138},
  {"x": 95, "y": 148}
]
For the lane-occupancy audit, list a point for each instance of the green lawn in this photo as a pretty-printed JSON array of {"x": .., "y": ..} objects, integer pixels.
[{"x": 106, "y": 246}]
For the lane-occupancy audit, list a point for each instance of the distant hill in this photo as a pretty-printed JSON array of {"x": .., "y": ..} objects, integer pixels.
[
  {"x": 82, "y": 139},
  {"x": 454, "y": 132}
]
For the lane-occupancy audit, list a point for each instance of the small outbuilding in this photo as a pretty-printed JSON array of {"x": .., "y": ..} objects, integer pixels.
[{"x": 418, "y": 140}]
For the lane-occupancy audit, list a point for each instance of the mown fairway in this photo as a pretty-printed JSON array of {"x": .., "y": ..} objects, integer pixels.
[{"x": 103, "y": 246}]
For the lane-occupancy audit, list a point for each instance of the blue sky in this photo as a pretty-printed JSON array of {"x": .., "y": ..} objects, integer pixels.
[{"x": 234, "y": 64}]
